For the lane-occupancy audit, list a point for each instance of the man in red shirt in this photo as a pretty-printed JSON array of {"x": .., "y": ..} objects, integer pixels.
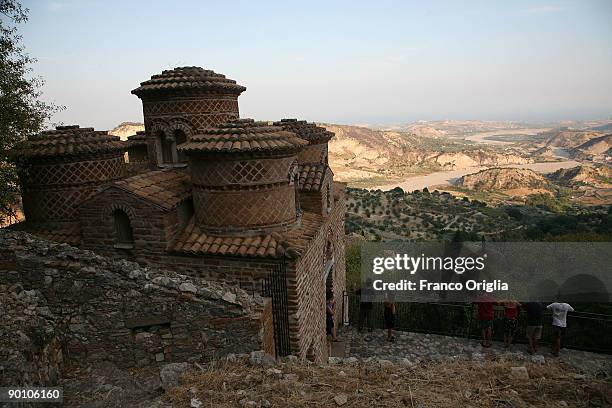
[
  {"x": 485, "y": 316},
  {"x": 511, "y": 308}
]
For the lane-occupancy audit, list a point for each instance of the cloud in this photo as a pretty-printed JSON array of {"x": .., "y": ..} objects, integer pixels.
[
  {"x": 543, "y": 9},
  {"x": 56, "y": 5}
]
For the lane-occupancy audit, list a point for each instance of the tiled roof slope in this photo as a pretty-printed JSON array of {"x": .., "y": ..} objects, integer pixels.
[
  {"x": 194, "y": 241},
  {"x": 68, "y": 140},
  {"x": 67, "y": 232},
  {"x": 139, "y": 139},
  {"x": 311, "y": 176},
  {"x": 243, "y": 135},
  {"x": 307, "y": 131},
  {"x": 166, "y": 188},
  {"x": 188, "y": 79}
]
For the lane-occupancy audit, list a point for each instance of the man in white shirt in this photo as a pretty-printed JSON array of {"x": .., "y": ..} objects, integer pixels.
[{"x": 559, "y": 322}]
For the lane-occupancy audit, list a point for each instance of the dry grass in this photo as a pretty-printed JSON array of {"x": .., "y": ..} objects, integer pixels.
[{"x": 451, "y": 384}]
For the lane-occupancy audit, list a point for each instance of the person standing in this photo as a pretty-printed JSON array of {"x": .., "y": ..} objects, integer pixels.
[
  {"x": 389, "y": 317},
  {"x": 330, "y": 312},
  {"x": 559, "y": 323},
  {"x": 365, "y": 306},
  {"x": 511, "y": 309},
  {"x": 535, "y": 312},
  {"x": 485, "y": 317}
]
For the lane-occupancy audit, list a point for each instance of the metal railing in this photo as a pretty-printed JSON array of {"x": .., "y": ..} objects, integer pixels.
[{"x": 585, "y": 331}]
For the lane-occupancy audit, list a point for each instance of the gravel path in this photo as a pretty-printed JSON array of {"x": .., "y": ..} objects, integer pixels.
[{"x": 417, "y": 347}]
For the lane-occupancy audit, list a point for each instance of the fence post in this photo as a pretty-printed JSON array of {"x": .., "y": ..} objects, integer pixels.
[{"x": 345, "y": 308}]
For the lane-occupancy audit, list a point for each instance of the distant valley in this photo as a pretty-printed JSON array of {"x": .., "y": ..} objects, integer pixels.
[{"x": 439, "y": 154}]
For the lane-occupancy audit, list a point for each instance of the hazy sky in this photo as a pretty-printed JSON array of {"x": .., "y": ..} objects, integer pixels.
[{"x": 333, "y": 61}]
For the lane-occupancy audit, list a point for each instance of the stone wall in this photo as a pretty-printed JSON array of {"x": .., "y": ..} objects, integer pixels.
[
  {"x": 31, "y": 351},
  {"x": 117, "y": 311}
]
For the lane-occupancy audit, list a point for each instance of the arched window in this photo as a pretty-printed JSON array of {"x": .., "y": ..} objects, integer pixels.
[
  {"x": 166, "y": 148},
  {"x": 123, "y": 228},
  {"x": 180, "y": 137},
  {"x": 294, "y": 180}
]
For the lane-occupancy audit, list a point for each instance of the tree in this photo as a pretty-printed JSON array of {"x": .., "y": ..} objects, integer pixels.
[{"x": 22, "y": 113}]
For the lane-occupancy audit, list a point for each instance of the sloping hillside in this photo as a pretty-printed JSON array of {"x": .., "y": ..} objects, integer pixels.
[
  {"x": 598, "y": 176},
  {"x": 570, "y": 138},
  {"x": 597, "y": 145},
  {"x": 358, "y": 154},
  {"x": 503, "y": 179}
]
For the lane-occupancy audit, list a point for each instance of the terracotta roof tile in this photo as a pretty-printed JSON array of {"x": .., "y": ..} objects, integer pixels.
[
  {"x": 311, "y": 176},
  {"x": 139, "y": 139},
  {"x": 183, "y": 79},
  {"x": 166, "y": 188},
  {"x": 68, "y": 140},
  {"x": 194, "y": 241},
  {"x": 243, "y": 135},
  {"x": 308, "y": 131},
  {"x": 66, "y": 232}
]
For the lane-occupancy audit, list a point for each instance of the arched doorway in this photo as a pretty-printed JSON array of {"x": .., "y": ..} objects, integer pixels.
[{"x": 124, "y": 235}]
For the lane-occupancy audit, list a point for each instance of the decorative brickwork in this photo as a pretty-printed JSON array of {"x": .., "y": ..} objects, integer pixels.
[
  {"x": 241, "y": 210},
  {"x": 61, "y": 167},
  {"x": 189, "y": 99},
  {"x": 220, "y": 173},
  {"x": 190, "y": 106},
  {"x": 241, "y": 174}
]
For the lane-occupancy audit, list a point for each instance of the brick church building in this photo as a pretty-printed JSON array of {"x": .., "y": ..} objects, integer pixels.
[{"x": 204, "y": 193}]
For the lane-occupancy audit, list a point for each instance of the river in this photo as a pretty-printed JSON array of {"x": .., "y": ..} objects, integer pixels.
[{"x": 450, "y": 177}]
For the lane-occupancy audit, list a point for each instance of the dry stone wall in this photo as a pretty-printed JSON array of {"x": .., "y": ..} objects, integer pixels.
[{"x": 117, "y": 311}]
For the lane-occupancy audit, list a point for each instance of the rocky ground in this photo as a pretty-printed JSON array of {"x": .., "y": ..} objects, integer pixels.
[
  {"x": 414, "y": 348},
  {"x": 417, "y": 370}
]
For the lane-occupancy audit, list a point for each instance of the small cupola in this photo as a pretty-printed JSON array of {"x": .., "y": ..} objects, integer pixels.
[{"x": 245, "y": 177}]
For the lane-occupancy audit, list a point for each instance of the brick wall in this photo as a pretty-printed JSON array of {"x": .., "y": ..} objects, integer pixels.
[
  {"x": 316, "y": 201},
  {"x": 152, "y": 226},
  {"x": 313, "y": 153},
  {"x": 306, "y": 286},
  {"x": 50, "y": 190}
]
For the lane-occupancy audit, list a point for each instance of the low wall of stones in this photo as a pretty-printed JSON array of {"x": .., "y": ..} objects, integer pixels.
[
  {"x": 30, "y": 352},
  {"x": 117, "y": 311}
]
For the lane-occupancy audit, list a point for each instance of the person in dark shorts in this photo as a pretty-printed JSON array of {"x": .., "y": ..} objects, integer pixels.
[
  {"x": 511, "y": 309},
  {"x": 365, "y": 308},
  {"x": 389, "y": 317},
  {"x": 533, "y": 331},
  {"x": 330, "y": 310},
  {"x": 485, "y": 317}
]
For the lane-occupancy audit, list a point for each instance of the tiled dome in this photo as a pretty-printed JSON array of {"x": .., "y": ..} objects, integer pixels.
[
  {"x": 244, "y": 135},
  {"x": 68, "y": 140},
  {"x": 307, "y": 131},
  {"x": 188, "y": 79}
]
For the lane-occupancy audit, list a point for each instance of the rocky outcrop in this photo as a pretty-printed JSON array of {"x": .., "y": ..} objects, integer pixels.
[
  {"x": 597, "y": 176},
  {"x": 125, "y": 129},
  {"x": 503, "y": 179}
]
